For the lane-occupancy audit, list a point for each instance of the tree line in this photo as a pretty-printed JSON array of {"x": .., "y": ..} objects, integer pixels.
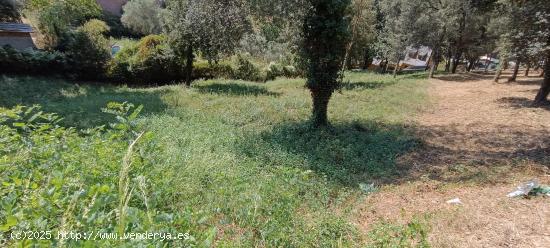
[
  {"x": 323, "y": 38},
  {"x": 333, "y": 33}
]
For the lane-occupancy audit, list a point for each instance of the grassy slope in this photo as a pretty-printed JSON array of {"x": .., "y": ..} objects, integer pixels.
[{"x": 241, "y": 156}]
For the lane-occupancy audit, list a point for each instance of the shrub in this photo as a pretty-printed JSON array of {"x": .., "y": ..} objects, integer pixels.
[
  {"x": 205, "y": 70},
  {"x": 150, "y": 60},
  {"x": 290, "y": 71},
  {"x": 246, "y": 70},
  {"x": 35, "y": 62},
  {"x": 10, "y": 11},
  {"x": 87, "y": 50},
  {"x": 273, "y": 71},
  {"x": 82, "y": 53},
  {"x": 55, "y": 18}
]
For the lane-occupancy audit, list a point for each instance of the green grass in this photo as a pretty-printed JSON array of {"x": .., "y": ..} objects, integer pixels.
[
  {"x": 240, "y": 157},
  {"x": 413, "y": 234}
]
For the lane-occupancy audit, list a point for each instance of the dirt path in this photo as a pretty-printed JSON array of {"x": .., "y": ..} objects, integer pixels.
[{"x": 479, "y": 140}]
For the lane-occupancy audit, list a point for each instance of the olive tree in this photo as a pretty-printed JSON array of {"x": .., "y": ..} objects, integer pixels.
[
  {"x": 212, "y": 27},
  {"x": 142, "y": 16}
]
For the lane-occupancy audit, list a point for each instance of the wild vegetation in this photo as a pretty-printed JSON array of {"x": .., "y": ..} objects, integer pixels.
[
  {"x": 262, "y": 123},
  {"x": 230, "y": 162}
]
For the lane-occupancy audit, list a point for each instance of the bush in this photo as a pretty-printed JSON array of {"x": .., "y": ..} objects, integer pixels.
[
  {"x": 149, "y": 61},
  {"x": 273, "y": 71},
  {"x": 55, "y": 18},
  {"x": 246, "y": 70},
  {"x": 34, "y": 62},
  {"x": 205, "y": 70},
  {"x": 87, "y": 50},
  {"x": 82, "y": 53},
  {"x": 291, "y": 72}
]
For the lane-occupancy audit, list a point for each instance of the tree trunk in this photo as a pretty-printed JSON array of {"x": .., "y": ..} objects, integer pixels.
[
  {"x": 189, "y": 65},
  {"x": 448, "y": 62},
  {"x": 515, "y": 74},
  {"x": 430, "y": 61},
  {"x": 321, "y": 97},
  {"x": 499, "y": 70},
  {"x": 471, "y": 65},
  {"x": 456, "y": 61},
  {"x": 432, "y": 70},
  {"x": 367, "y": 60},
  {"x": 488, "y": 62},
  {"x": 396, "y": 69},
  {"x": 435, "y": 62},
  {"x": 542, "y": 96},
  {"x": 527, "y": 69},
  {"x": 346, "y": 62},
  {"x": 385, "y": 67}
]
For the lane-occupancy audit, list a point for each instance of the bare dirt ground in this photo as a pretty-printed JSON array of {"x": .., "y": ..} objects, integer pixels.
[{"x": 479, "y": 141}]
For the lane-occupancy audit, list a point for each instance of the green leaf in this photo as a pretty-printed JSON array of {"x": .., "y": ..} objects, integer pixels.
[
  {"x": 10, "y": 221},
  {"x": 210, "y": 237},
  {"x": 19, "y": 124},
  {"x": 35, "y": 116},
  {"x": 136, "y": 112}
]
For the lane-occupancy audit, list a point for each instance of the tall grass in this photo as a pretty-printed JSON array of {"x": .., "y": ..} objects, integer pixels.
[{"x": 234, "y": 163}]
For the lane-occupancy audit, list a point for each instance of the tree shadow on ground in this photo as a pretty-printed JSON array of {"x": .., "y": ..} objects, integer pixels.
[
  {"x": 522, "y": 81},
  {"x": 79, "y": 104},
  {"x": 347, "y": 153},
  {"x": 464, "y": 77},
  {"x": 234, "y": 89},
  {"x": 447, "y": 151},
  {"x": 414, "y": 75},
  {"x": 365, "y": 152},
  {"x": 521, "y": 102},
  {"x": 366, "y": 85}
]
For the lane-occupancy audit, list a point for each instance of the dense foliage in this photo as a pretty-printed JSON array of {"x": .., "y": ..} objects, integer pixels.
[
  {"x": 524, "y": 28},
  {"x": 326, "y": 33},
  {"x": 212, "y": 27},
  {"x": 56, "y": 17},
  {"x": 87, "y": 50},
  {"x": 31, "y": 62},
  {"x": 150, "y": 61},
  {"x": 60, "y": 179},
  {"x": 142, "y": 16},
  {"x": 10, "y": 11}
]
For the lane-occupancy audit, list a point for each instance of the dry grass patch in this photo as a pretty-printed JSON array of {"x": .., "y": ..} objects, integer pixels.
[{"x": 478, "y": 141}]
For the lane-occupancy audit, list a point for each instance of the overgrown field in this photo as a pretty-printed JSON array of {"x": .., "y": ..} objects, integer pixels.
[{"x": 230, "y": 163}]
